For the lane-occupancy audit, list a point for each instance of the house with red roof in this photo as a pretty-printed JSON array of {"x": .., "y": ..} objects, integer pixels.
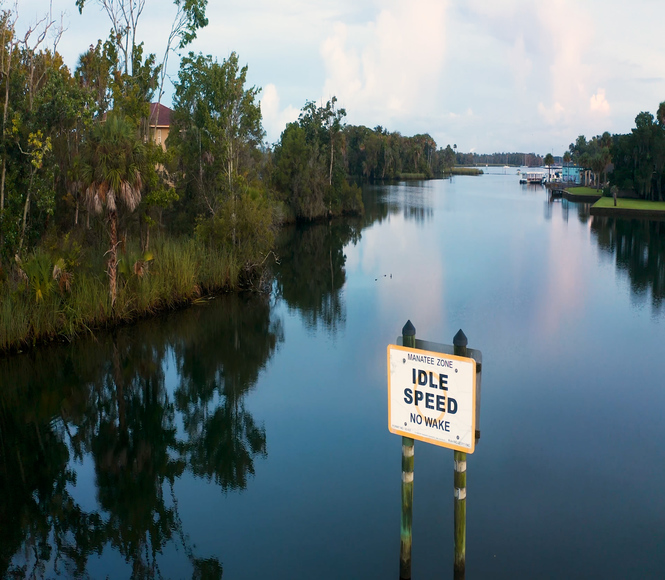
[{"x": 160, "y": 123}]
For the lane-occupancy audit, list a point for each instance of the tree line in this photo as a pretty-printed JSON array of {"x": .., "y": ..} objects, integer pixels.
[
  {"x": 517, "y": 159},
  {"x": 633, "y": 162}
]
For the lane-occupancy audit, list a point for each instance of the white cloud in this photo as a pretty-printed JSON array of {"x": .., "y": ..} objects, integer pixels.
[
  {"x": 419, "y": 66},
  {"x": 388, "y": 68},
  {"x": 553, "y": 114},
  {"x": 598, "y": 103},
  {"x": 274, "y": 118},
  {"x": 520, "y": 62}
]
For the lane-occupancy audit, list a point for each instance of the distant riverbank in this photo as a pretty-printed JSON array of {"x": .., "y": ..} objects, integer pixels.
[{"x": 424, "y": 176}]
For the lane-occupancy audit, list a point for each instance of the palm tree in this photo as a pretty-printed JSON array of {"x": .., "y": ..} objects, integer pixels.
[
  {"x": 112, "y": 172},
  {"x": 549, "y": 161}
]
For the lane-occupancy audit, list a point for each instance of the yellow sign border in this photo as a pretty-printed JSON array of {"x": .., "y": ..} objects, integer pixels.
[{"x": 473, "y": 408}]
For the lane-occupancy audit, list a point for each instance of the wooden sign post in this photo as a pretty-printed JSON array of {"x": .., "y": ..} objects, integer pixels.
[
  {"x": 460, "y": 342},
  {"x": 433, "y": 396},
  {"x": 409, "y": 339}
]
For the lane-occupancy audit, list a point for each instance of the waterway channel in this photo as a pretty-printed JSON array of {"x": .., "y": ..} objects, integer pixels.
[{"x": 246, "y": 437}]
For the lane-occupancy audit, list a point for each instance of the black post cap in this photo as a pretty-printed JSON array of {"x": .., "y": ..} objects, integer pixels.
[
  {"x": 460, "y": 339},
  {"x": 409, "y": 329}
]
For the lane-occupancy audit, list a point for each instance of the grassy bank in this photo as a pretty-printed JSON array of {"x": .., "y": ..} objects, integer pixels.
[
  {"x": 636, "y": 204},
  {"x": 586, "y": 191},
  {"x": 38, "y": 307},
  {"x": 465, "y": 171},
  {"x": 629, "y": 208},
  {"x": 451, "y": 171},
  {"x": 460, "y": 171}
]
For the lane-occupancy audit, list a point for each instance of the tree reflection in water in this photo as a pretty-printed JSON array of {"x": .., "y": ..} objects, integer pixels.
[
  {"x": 107, "y": 400},
  {"x": 639, "y": 249},
  {"x": 311, "y": 274},
  {"x": 217, "y": 368},
  {"x": 311, "y": 271}
]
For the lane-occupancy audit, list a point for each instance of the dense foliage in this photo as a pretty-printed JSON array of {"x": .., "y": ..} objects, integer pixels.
[
  {"x": 634, "y": 162},
  {"x": 309, "y": 170},
  {"x": 639, "y": 156},
  {"x": 518, "y": 159}
]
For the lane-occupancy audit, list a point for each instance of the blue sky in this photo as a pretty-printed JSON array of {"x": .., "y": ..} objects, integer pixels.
[{"x": 509, "y": 75}]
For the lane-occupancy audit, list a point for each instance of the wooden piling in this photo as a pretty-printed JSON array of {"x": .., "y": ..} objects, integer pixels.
[
  {"x": 408, "y": 339},
  {"x": 460, "y": 349}
]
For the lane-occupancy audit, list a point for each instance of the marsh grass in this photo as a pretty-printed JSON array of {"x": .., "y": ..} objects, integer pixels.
[
  {"x": 180, "y": 272},
  {"x": 465, "y": 171}
]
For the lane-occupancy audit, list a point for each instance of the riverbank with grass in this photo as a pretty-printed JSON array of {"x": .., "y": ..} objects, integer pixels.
[
  {"x": 425, "y": 176},
  {"x": 60, "y": 299},
  {"x": 464, "y": 171},
  {"x": 629, "y": 208},
  {"x": 582, "y": 194}
]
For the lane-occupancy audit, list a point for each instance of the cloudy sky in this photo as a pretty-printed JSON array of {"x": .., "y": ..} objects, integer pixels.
[{"x": 487, "y": 75}]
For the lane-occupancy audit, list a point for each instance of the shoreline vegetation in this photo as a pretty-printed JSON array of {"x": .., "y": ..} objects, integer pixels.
[
  {"x": 114, "y": 207},
  {"x": 449, "y": 172},
  {"x": 629, "y": 167},
  {"x": 46, "y": 310}
]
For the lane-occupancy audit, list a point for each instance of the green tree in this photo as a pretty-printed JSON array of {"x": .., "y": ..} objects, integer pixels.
[
  {"x": 130, "y": 68},
  {"x": 113, "y": 173},
  {"x": 217, "y": 128},
  {"x": 216, "y": 136},
  {"x": 297, "y": 175},
  {"x": 642, "y": 153},
  {"x": 448, "y": 158},
  {"x": 93, "y": 73},
  {"x": 549, "y": 161},
  {"x": 310, "y": 171},
  {"x": 28, "y": 174}
]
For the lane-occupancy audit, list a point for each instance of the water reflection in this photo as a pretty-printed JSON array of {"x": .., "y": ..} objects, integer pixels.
[
  {"x": 217, "y": 368},
  {"x": 41, "y": 522},
  {"x": 583, "y": 209},
  {"x": 411, "y": 199},
  {"x": 311, "y": 273},
  {"x": 639, "y": 249},
  {"x": 583, "y": 212},
  {"x": 106, "y": 401},
  {"x": 379, "y": 205}
]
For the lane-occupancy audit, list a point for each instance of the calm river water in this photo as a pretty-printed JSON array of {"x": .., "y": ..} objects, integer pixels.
[{"x": 248, "y": 436}]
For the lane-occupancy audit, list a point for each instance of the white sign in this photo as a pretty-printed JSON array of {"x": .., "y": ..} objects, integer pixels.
[{"x": 432, "y": 397}]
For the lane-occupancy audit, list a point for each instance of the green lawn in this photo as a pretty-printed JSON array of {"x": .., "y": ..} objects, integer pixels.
[
  {"x": 608, "y": 202},
  {"x": 584, "y": 191}
]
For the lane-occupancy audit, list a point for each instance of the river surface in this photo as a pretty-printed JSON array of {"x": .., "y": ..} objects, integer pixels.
[{"x": 247, "y": 437}]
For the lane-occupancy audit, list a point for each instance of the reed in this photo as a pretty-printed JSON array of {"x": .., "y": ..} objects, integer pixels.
[
  {"x": 177, "y": 272},
  {"x": 464, "y": 171}
]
